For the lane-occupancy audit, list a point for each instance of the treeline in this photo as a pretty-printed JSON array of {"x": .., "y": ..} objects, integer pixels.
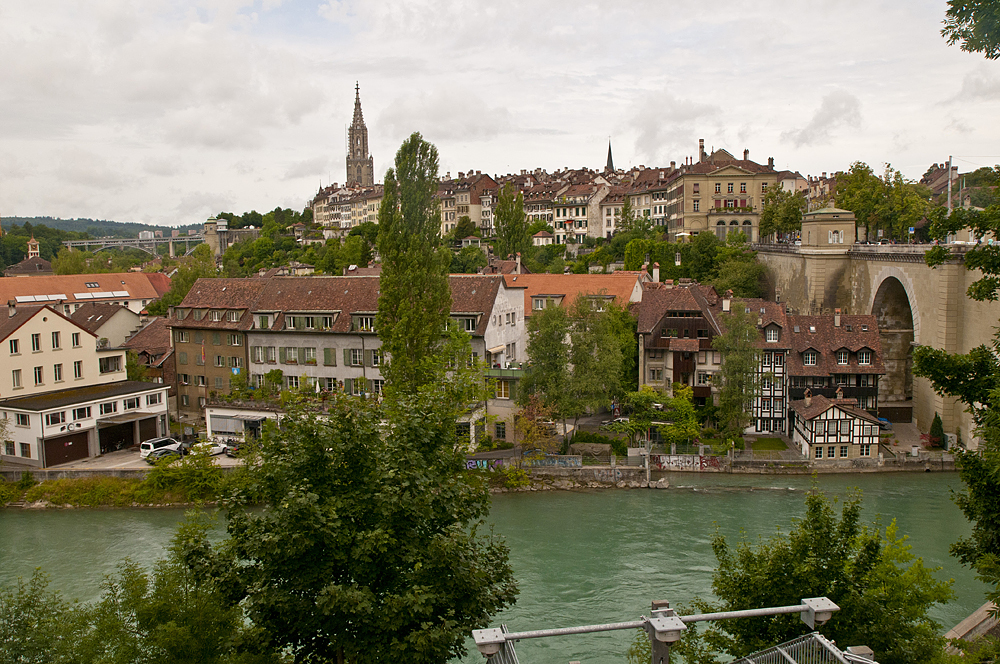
[{"x": 93, "y": 227}]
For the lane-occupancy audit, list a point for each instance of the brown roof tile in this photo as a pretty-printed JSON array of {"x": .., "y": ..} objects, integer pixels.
[
  {"x": 618, "y": 285},
  {"x": 819, "y": 404}
]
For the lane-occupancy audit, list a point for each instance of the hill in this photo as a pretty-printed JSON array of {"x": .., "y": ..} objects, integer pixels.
[{"x": 93, "y": 227}]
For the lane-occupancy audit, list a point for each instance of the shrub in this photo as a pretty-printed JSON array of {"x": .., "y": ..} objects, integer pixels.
[
  {"x": 26, "y": 482},
  {"x": 8, "y": 492},
  {"x": 937, "y": 431},
  {"x": 195, "y": 477},
  {"x": 87, "y": 491},
  {"x": 510, "y": 477}
]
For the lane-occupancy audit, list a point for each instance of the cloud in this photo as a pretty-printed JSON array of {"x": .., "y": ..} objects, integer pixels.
[
  {"x": 201, "y": 205},
  {"x": 314, "y": 167},
  {"x": 666, "y": 124},
  {"x": 838, "y": 109},
  {"x": 451, "y": 113},
  {"x": 979, "y": 85}
]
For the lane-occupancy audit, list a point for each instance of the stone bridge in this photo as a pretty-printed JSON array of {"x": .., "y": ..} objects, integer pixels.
[{"x": 913, "y": 303}]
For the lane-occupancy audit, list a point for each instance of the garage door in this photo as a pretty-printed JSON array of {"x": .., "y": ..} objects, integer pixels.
[
  {"x": 147, "y": 429},
  {"x": 65, "y": 449}
]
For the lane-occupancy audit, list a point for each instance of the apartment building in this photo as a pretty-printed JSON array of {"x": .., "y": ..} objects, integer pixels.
[
  {"x": 576, "y": 212},
  {"x": 66, "y": 396},
  {"x": 471, "y": 195}
]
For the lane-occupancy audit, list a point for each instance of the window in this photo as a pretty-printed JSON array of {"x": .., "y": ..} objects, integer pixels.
[
  {"x": 763, "y": 187},
  {"x": 779, "y": 359},
  {"x": 704, "y": 378},
  {"x": 831, "y": 452},
  {"x": 263, "y": 323},
  {"x": 765, "y": 404},
  {"x": 78, "y": 369},
  {"x": 57, "y": 373},
  {"x": 218, "y": 382},
  {"x": 22, "y": 419},
  {"x": 81, "y": 413},
  {"x": 185, "y": 400},
  {"x": 75, "y": 338},
  {"x": 216, "y": 316},
  {"x": 293, "y": 382},
  {"x": 153, "y": 399},
  {"x": 865, "y": 451},
  {"x": 201, "y": 402},
  {"x": 718, "y": 187},
  {"x": 216, "y": 338},
  {"x": 695, "y": 187},
  {"x": 842, "y": 356},
  {"x": 743, "y": 187},
  {"x": 15, "y": 347},
  {"x": 199, "y": 381},
  {"x": 365, "y": 323},
  {"x": 110, "y": 364},
  {"x": 131, "y": 403},
  {"x": 53, "y": 419},
  {"x": 182, "y": 337},
  {"x": 503, "y": 389},
  {"x": 56, "y": 341},
  {"x": 309, "y": 356},
  {"x": 184, "y": 379},
  {"x": 38, "y": 376},
  {"x": 656, "y": 375},
  {"x": 772, "y": 335},
  {"x": 25, "y": 450},
  {"x": 233, "y": 316},
  {"x": 809, "y": 358},
  {"x": 8, "y": 448},
  {"x": 819, "y": 453},
  {"x": 843, "y": 451},
  {"x": 16, "y": 378},
  {"x": 377, "y": 386},
  {"x": 220, "y": 361},
  {"x": 765, "y": 383},
  {"x": 729, "y": 187},
  {"x": 500, "y": 430},
  {"x": 864, "y": 357},
  {"x": 235, "y": 339},
  {"x": 109, "y": 407},
  {"x": 36, "y": 343},
  {"x": 376, "y": 358},
  {"x": 356, "y": 357},
  {"x": 537, "y": 303},
  {"x": 237, "y": 362},
  {"x": 695, "y": 205}
]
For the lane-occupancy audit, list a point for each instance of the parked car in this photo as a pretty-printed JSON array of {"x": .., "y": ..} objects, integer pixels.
[
  {"x": 161, "y": 454},
  {"x": 232, "y": 450},
  {"x": 884, "y": 424},
  {"x": 214, "y": 447},
  {"x": 614, "y": 421},
  {"x": 148, "y": 446}
]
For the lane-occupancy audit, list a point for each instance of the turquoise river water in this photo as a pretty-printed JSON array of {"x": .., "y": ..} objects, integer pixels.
[{"x": 579, "y": 557}]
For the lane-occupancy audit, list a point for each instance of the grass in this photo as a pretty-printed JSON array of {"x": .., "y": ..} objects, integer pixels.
[{"x": 769, "y": 444}]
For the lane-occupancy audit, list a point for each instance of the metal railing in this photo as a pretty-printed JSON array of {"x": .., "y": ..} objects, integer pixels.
[{"x": 809, "y": 649}]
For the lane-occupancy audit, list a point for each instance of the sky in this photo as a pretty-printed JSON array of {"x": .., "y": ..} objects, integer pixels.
[{"x": 168, "y": 112}]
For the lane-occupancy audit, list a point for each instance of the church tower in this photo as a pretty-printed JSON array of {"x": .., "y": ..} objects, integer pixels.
[{"x": 360, "y": 165}]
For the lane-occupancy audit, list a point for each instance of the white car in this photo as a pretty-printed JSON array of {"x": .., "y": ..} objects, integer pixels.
[
  {"x": 212, "y": 446},
  {"x": 148, "y": 446}
]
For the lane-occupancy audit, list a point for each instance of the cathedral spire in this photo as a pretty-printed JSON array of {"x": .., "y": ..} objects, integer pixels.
[
  {"x": 610, "y": 168},
  {"x": 360, "y": 165},
  {"x": 359, "y": 118}
]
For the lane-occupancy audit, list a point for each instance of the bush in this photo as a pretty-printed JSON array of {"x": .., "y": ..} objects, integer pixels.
[
  {"x": 510, "y": 477},
  {"x": 8, "y": 492},
  {"x": 937, "y": 431},
  {"x": 87, "y": 492},
  {"x": 619, "y": 446},
  {"x": 196, "y": 477},
  {"x": 26, "y": 482}
]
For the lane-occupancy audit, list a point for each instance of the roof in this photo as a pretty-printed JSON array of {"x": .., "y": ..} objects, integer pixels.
[
  {"x": 657, "y": 302},
  {"x": 74, "y": 287},
  {"x": 154, "y": 338},
  {"x": 23, "y": 314},
  {"x": 74, "y": 395},
  {"x": 93, "y": 315},
  {"x": 820, "y": 334},
  {"x": 621, "y": 287},
  {"x": 32, "y": 265},
  {"x": 219, "y": 293},
  {"x": 542, "y": 234},
  {"x": 820, "y": 404}
]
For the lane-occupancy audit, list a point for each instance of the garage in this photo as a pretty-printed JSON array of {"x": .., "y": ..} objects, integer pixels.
[
  {"x": 66, "y": 448},
  {"x": 117, "y": 437},
  {"x": 147, "y": 429}
]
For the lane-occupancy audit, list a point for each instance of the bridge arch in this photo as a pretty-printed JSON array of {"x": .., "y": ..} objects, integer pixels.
[{"x": 893, "y": 307}]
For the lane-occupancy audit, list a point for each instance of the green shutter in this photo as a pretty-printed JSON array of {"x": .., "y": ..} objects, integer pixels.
[
  {"x": 368, "y": 358},
  {"x": 347, "y": 386},
  {"x": 329, "y": 357},
  {"x": 301, "y": 353},
  {"x": 281, "y": 354},
  {"x": 371, "y": 386},
  {"x": 347, "y": 357}
]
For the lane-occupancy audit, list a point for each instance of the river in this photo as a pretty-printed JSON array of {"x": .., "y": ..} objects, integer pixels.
[{"x": 579, "y": 557}]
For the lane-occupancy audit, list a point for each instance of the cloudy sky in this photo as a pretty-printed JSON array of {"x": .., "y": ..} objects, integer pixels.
[{"x": 169, "y": 111}]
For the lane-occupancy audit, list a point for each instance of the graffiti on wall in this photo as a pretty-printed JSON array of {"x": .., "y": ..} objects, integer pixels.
[
  {"x": 483, "y": 464},
  {"x": 683, "y": 462},
  {"x": 555, "y": 461}
]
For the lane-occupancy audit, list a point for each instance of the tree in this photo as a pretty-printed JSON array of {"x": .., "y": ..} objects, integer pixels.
[
  {"x": 199, "y": 265},
  {"x": 635, "y": 254},
  {"x": 782, "y": 212},
  {"x": 884, "y": 593},
  {"x": 595, "y": 358},
  {"x": 623, "y": 327},
  {"x": 414, "y": 296},
  {"x": 740, "y": 359},
  {"x": 37, "y": 626},
  {"x": 360, "y": 546},
  {"x": 469, "y": 260},
  {"x": 639, "y": 405},
  {"x": 937, "y": 430},
  {"x": 549, "y": 375},
  {"x": 512, "y": 234},
  {"x": 975, "y": 24},
  {"x": 464, "y": 228},
  {"x": 134, "y": 369},
  {"x": 737, "y": 268},
  {"x": 681, "y": 413},
  {"x": 888, "y": 203}
]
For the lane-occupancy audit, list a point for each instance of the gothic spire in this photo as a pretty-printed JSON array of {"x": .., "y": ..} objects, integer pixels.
[
  {"x": 611, "y": 164},
  {"x": 359, "y": 119}
]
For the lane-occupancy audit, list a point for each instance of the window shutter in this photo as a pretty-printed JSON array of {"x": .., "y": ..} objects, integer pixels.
[
  {"x": 347, "y": 357},
  {"x": 329, "y": 357},
  {"x": 347, "y": 386},
  {"x": 282, "y": 354},
  {"x": 301, "y": 354},
  {"x": 368, "y": 358},
  {"x": 371, "y": 386}
]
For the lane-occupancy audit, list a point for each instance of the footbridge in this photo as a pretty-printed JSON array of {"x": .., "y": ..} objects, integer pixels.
[{"x": 914, "y": 304}]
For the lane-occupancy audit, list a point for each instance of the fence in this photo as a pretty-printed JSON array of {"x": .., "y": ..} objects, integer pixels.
[{"x": 809, "y": 649}]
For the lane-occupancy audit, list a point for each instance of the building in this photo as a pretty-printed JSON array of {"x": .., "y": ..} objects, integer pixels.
[
  {"x": 65, "y": 397},
  {"x": 29, "y": 267},
  {"x": 541, "y": 238},
  {"x": 471, "y": 195},
  {"x": 544, "y": 290},
  {"x": 112, "y": 324},
  {"x": 219, "y": 236},
  {"x": 360, "y": 164},
  {"x": 68, "y": 292},
  {"x": 577, "y": 212},
  {"x": 833, "y": 429},
  {"x": 152, "y": 349}
]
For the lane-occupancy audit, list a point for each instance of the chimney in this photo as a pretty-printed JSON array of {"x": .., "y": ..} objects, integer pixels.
[
  {"x": 669, "y": 283},
  {"x": 746, "y": 154},
  {"x": 656, "y": 272},
  {"x": 839, "y": 393},
  {"x": 836, "y": 317},
  {"x": 11, "y": 308},
  {"x": 808, "y": 397},
  {"x": 461, "y": 175},
  {"x": 824, "y": 175},
  {"x": 701, "y": 149},
  {"x": 518, "y": 270},
  {"x": 726, "y": 301},
  {"x": 770, "y": 163},
  {"x": 673, "y": 166}
]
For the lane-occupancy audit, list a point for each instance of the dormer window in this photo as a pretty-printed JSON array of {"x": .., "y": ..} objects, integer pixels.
[
  {"x": 772, "y": 335},
  {"x": 809, "y": 358},
  {"x": 216, "y": 316},
  {"x": 864, "y": 356},
  {"x": 233, "y": 316},
  {"x": 538, "y": 303},
  {"x": 842, "y": 356}
]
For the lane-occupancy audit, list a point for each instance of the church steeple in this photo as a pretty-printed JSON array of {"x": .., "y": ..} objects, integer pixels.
[
  {"x": 360, "y": 165},
  {"x": 610, "y": 168}
]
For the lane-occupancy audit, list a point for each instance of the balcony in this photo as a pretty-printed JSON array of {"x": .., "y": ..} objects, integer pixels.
[{"x": 510, "y": 373}]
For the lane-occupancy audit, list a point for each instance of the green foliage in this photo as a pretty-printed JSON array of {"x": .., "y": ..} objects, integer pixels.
[
  {"x": 196, "y": 475},
  {"x": 134, "y": 369},
  {"x": 888, "y": 203},
  {"x": 9, "y": 492},
  {"x": 367, "y": 547},
  {"x": 975, "y": 24},
  {"x": 464, "y": 228},
  {"x": 199, "y": 265},
  {"x": 469, "y": 260},
  {"x": 549, "y": 375},
  {"x": 680, "y": 412},
  {"x": 26, "y": 482},
  {"x": 937, "y": 431},
  {"x": 509, "y": 477},
  {"x": 739, "y": 368},
  {"x": 884, "y": 593},
  {"x": 414, "y": 295},
  {"x": 639, "y": 406},
  {"x": 623, "y": 327},
  {"x": 37, "y": 626},
  {"x": 635, "y": 253},
  {"x": 595, "y": 358},
  {"x": 983, "y": 257},
  {"x": 971, "y": 378},
  {"x": 782, "y": 212},
  {"x": 979, "y": 501},
  {"x": 769, "y": 444},
  {"x": 737, "y": 268}
]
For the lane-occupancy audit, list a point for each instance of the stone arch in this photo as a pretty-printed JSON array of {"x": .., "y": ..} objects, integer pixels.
[
  {"x": 892, "y": 306},
  {"x": 893, "y": 272}
]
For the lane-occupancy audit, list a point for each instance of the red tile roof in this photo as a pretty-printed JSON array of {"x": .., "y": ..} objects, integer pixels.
[
  {"x": 621, "y": 286},
  {"x": 820, "y": 404},
  {"x": 138, "y": 285}
]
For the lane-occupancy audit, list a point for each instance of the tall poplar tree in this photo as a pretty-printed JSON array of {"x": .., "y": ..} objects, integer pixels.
[
  {"x": 740, "y": 359},
  {"x": 414, "y": 296},
  {"x": 511, "y": 223}
]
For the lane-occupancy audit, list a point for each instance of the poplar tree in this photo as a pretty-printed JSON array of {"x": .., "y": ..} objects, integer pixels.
[
  {"x": 740, "y": 359},
  {"x": 414, "y": 296},
  {"x": 511, "y": 223}
]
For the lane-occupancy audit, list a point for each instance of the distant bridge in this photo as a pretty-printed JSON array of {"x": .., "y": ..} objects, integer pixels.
[
  {"x": 149, "y": 246},
  {"x": 914, "y": 304}
]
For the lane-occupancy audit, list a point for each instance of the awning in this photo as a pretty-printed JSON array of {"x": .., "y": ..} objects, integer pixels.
[
  {"x": 111, "y": 420},
  {"x": 245, "y": 418},
  {"x": 494, "y": 350}
]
